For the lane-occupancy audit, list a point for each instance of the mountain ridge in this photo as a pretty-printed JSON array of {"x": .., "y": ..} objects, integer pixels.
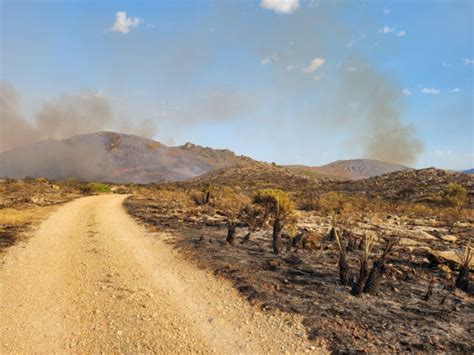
[
  {"x": 125, "y": 158},
  {"x": 114, "y": 157}
]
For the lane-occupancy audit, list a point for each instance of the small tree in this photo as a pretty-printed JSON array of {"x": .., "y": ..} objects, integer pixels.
[
  {"x": 379, "y": 266},
  {"x": 254, "y": 217},
  {"x": 455, "y": 195},
  {"x": 364, "y": 267},
  {"x": 465, "y": 257},
  {"x": 334, "y": 227},
  {"x": 280, "y": 209},
  {"x": 344, "y": 269},
  {"x": 229, "y": 202},
  {"x": 206, "y": 194}
]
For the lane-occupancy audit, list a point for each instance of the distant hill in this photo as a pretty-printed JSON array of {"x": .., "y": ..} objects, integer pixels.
[
  {"x": 256, "y": 176},
  {"x": 115, "y": 157},
  {"x": 355, "y": 169},
  {"x": 469, "y": 171}
]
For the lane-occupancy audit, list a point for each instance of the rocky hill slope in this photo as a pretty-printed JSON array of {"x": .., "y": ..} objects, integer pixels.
[
  {"x": 423, "y": 185},
  {"x": 114, "y": 157},
  {"x": 355, "y": 169},
  {"x": 409, "y": 185},
  {"x": 256, "y": 176}
]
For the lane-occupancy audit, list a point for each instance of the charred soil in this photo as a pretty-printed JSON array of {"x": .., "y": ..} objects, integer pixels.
[{"x": 397, "y": 318}]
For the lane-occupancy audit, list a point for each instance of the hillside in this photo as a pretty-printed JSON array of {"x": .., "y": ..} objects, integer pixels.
[
  {"x": 114, "y": 157},
  {"x": 423, "y": 185},
  {"x": 355, "y": 169},
  {"x": 255, "y": 176},
  {"x": 409, "y": 185}
]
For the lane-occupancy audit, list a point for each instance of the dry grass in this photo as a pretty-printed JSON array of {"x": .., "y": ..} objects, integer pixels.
[
  {"x": 11, "y": 216},
  {"x": 15, "y": 222}
]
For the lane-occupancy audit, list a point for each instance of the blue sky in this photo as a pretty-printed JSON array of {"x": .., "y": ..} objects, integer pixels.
[{"x": 304, "y": 82}]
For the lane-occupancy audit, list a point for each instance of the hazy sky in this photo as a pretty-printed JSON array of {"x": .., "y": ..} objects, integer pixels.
[{"x": 289, "y": 81}]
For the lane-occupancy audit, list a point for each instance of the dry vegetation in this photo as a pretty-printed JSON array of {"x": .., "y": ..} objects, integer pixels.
[
  {"x": 368, "y": 272},
  {"x": 14, "y": 217},
  {"x": 424, "y": 186},
  {"x": 13, "y": 222}
]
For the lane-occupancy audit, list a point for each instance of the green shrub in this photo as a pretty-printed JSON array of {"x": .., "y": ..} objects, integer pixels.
[{"x": 97, "y": 187}]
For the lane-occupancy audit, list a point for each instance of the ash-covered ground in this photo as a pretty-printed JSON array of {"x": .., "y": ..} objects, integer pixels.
[{"x": 397, "y": 318}]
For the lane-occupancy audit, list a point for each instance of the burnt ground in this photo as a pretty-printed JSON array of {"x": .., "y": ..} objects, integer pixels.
[
  {"x": 396, "y": 319},
  {"x": 24, "y": 203},
  {"x": 9, "y": 234}
]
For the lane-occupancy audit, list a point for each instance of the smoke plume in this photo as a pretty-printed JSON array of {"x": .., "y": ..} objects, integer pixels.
[
  {"x": 14, "y": 129},
  {"x": 368, "y": 105},
  {"x": 61, "y": 117},
  {"x": 217, "y": 106},
  {"x": 308, "y": 81}
]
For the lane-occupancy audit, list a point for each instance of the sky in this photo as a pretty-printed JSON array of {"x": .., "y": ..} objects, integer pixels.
[{"x": 285, "y": 81}]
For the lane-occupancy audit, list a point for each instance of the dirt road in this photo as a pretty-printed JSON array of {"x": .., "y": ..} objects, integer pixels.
[{"x": 92, "y": 280}]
